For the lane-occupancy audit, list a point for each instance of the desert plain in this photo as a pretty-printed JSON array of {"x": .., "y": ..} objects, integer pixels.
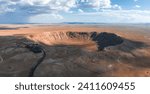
[{"x": 76, "y": 56}]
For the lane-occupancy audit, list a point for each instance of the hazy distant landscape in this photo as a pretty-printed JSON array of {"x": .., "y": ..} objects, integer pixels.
[{"x": 71, "y": 51}]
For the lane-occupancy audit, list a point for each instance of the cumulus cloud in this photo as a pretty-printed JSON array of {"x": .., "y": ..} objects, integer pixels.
[
  {"x": 135, "y": 0},
  {"x": 4, "y": 6},
  {"x": 80, "y": 11},
  {"x": 4, "y": 9},
  {"x": 54, "y": 6},
  {"x": 137, "y": 6},
  {"x": 93, "y": 10},
  {"x": 57, "y": 16},
  {"x": 117, "y": 7},
  {"x": 24, "y": 9},
  {"x": 87, "y": 5},
  {"x": 37, "y": 6}
]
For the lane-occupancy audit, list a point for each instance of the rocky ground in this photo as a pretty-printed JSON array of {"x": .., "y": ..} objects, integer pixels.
[{"x": 70, "y": 51}]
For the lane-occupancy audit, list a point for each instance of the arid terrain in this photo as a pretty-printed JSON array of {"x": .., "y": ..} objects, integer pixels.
[{"x": 70, "y": 51}]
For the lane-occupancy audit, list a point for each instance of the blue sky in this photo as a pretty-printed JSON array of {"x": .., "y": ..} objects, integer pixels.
[{"x": 57, "y": 11}]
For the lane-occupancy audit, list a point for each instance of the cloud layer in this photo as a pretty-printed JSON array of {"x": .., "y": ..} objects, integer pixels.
[
  {"x": 48, "y": 6},
  {"x": 15, "y": 11},
  {"x": 120, "y": 16},
  {"x": 35, "y": 6}
]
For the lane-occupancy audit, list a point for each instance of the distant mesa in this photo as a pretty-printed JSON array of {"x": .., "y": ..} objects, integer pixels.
[
  {"x": 11, "y": 28},
  {"x": 105, "y": 39},
  {"x": 81, "y": 23},
  {"x": 7, "y": 28}
]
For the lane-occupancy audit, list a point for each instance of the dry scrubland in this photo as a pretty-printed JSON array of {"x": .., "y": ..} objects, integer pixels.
[{"x": 75, "y": 56}]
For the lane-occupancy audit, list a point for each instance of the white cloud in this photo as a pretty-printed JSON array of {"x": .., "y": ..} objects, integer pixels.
[
  {"x": 116, "y": 7},
  {"x": 105, "y": 3},
  {"x": 50, "y": 9},
  {"x": 38, "y": 6},
  {"x": 57, "y": 16},
  {"x": 47, "y": 18},
  {"x": 94, "y": 4},
  {"x": 4, "y": 8},
  {"x": 80, "y": 11},
  {"x": 135, "y": 0},
  {"x": 121, "y": 16},
  {"x": 44, "y": 6},
  {"x": 137, "y": 6},
  {"x": 100, "y": 3}
]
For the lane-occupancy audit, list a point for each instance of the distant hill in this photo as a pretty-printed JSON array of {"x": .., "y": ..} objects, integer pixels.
[{"x": 81, "y": 23}]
